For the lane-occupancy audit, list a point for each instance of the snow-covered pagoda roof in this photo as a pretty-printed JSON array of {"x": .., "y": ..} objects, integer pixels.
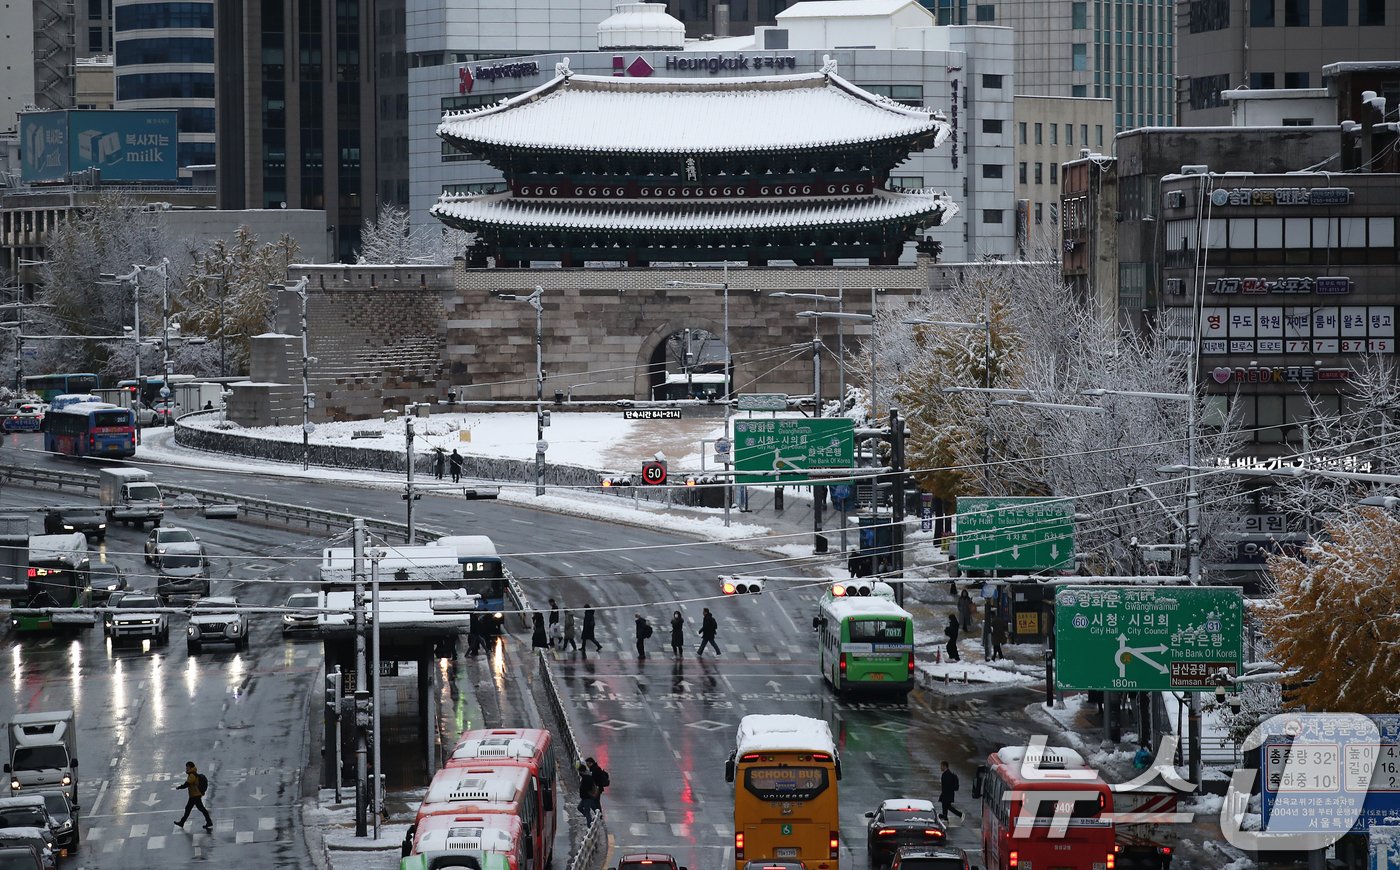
[
  {"x": 504, "y": 210},
  {"x": 579, "y": 113}
]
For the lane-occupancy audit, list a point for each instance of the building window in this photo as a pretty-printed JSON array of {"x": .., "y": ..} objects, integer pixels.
[
  {"x": 1371, "y": 13},
  {"x": 1078, "y": 18},
  {"x": 1335, "y": 13},
  {"x": 1079, "y": 90},
  {"x": 1295, "y": 13},
  {"x": 1038, "y": 214},
  {"x": 1209, "y": 15},
  {"x": 1292, "y": 80},
  {"x": 1069, "y": 135},
  {"x": 1054, "y": 134},
  {"x": 1261, "y": 81},
  {"x": 1205, "y": 91},
  {"x": 94, "y": 39},
  {"x": 991, "y": 82},
  {"x": 1297, "y": 122},
  {"x": 906, "y": 182},
  {"x": 1040, "y": 173},
  {"x": 992, "y": 216},
  {"x": 992, "y": 170},
  {"x": 991, "y": 127},
  {"x": 1039, "y": 133},
  {"x": 1098, "y": 135},
  {"x": 1021, "y": 173},
  {"x": 1054, "y": 173},
  {"x": 1079, "y": 56},
  {"x": 1083, "y": 134},
  {"x": 1022, "y": 125},
  {"x": 986, "y": 13},
  {"x": 1261, "y": 13},
  {"x": 1055, "y": 213}
]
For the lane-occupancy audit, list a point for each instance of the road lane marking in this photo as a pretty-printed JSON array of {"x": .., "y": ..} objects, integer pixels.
[{"x": 156, "y": 843}]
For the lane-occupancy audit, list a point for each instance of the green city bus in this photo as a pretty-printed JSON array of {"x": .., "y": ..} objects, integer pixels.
[
  {"x": 865, "y": 642},
  {"x": 58, "y": 580}
]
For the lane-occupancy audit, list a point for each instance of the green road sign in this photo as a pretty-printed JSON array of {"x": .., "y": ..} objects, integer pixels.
[
  {"x": 1147, "y": 638},
  {"x": 791, "y": 446},
  {"x": 1015, "y": 533},
  {"x": 763, "y": 401}
]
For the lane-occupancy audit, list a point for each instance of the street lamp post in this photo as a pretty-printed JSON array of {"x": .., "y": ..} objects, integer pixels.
[
  {"x": 536, "y": 301},
  {"x": 728, "y": 361}
]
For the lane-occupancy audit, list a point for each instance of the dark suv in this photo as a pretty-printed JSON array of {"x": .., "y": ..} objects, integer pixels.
[{"x": 90, "y": 520}]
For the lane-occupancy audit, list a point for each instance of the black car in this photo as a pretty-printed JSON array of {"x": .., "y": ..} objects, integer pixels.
[
  {"x": 20, "y": 858},
  {"x": 902, "y": 822},
  {"x": 929, "y": 858},
  {"x": 64, "y": 815},
  {"x": 107, "y": 580},
  {"x": 88, "y": 519}
]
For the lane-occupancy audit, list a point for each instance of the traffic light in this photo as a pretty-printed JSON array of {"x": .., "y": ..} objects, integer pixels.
[
  {"x": 852, "y": 589},
  {"x": 741, "y": 585},
  {"x": 333, "y": 693},
  {"x": 617, "y": 480}
]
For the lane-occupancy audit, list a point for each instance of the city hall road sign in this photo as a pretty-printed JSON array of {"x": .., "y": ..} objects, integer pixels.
[
  {"x": 781, "y": 451},
  {"x": 1147, "y": 638},
  {"x": 1015, "y": 533}
]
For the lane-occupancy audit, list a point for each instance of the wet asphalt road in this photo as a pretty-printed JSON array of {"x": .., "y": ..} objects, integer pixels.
[{"x": 662, "y": 727}]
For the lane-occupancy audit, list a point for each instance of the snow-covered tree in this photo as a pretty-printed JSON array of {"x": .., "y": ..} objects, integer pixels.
[
  {"x": 1054, "y": 348},
  {"x": 227, "y": 298},
  {"x": 390, "y": 239},
  {"x": 1337, "y": 623}
]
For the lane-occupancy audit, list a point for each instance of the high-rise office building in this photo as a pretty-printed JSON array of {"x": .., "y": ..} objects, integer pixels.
[
  {"x": 307, "y": 94},
  {"x": 165, "y": 60},
  {"x": 1120, "y": 50},
  {"x": 1268, "y": 44}
]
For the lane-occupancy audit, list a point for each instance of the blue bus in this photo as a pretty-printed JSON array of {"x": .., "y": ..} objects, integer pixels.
[
  {"x": 91, "y": 429},
  {"x": 48, "y": 386},
  {"x": 483, "y": 573}
]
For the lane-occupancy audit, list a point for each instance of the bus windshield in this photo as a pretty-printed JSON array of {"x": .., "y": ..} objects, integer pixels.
[
  {"x": 786, "y": 803},
  {"x": 869, "y": 630}
]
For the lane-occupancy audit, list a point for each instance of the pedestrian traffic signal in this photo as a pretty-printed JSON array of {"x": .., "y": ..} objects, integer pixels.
[
  {"x": 741, "y": 585},
  {"x": 333, "y": 692}
]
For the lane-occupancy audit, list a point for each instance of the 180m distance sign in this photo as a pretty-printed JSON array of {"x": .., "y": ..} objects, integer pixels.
[{"x": 1147, "y": 638}]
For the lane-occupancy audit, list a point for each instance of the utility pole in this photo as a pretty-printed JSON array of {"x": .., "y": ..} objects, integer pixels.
[
  {"x": 167, "y": 391},
  {"x": 361, "y": 690},
  {"x": 307, "y": 400},
  {"x": 408, "y": 492},
  {"x": 897, "y": 500},
  {"x": 378, "y": 789},
  {"x": 818, "y": 541}
]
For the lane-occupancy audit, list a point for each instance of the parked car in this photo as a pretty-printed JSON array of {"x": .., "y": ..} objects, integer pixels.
[
  {"x": 301, "y": 613},
  {"x": 28, "y": 417},
  {"x": 20, "y": 858},
  {"x": 38, "y": 839},
  {"x": 929, "y": 858},
  {"x": 162, "y": 537},
  {"x": 27, "y": 810},
  {"x": 137, "y": 617},
  {"x": 107, "y": 580},
  {"x": 65, "y": 816},
  {"x": 217, "y": 620},
  {"x": 648, "y": 861},
  {"x": 902, "y": 822},
  {"x": 91, "y": 520}
]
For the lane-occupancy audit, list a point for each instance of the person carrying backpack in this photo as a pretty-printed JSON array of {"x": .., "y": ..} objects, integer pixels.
[
  {"x": 643, "y": 632},
  {"x": 197, "y": 784},
  {"x": 600, "y": 776},
  {"x": 589, "y": 794}
]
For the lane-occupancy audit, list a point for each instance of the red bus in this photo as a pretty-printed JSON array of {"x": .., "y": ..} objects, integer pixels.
[
  {"x": 530, "y": 748},
  {"x": 485, "y": 789},
  {"x": 471, "y": 833},
  {"x": 1045, "y": 808},
  {"x": 91, "y": 429}
]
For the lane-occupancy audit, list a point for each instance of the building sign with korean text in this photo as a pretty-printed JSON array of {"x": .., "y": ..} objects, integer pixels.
[
  {"x": 1330, "y": 773},
  {"x": 1295, "y": 329},
  {"x": 733, "y": 63},
  {"x": 1221, "y": 197},
  {"x": 1328, "y": 285}
]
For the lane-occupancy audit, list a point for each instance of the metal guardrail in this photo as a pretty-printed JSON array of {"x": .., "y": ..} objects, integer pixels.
[{"x": 596, "y": 832}]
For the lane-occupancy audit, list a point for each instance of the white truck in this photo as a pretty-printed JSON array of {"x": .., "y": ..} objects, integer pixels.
[
  {"x": 196, "y": 395},
  {"x": 43, "y": 752},
  {"x": 129, "y": 495}
]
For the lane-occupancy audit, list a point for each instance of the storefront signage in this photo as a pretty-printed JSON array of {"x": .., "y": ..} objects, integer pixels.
[
  {"x": 1303, "y": 329},
  {"x": 683, "y": 190},
  {"x": 1277, "y": 374},
  {"x": 495, "y": 71},
  {"x": 1331, "y": 285},
  {"x": 714, "y": 65},
  {"x": 1281, "y": 196}
]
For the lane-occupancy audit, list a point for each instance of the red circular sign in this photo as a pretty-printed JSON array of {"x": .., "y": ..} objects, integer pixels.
[{"x": 653, "y": 473}]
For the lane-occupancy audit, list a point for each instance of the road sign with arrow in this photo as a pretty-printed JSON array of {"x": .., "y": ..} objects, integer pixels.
[
  {"x": 781, "y": 450},
  {"x": 1015, "y": 533},
  {"x": 1148, "y": 638}
]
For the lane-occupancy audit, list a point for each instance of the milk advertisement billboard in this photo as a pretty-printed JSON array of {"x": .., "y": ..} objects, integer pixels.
[{"x": 124, "y": 145}]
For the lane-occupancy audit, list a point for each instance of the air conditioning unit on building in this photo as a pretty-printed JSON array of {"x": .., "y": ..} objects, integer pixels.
[
  {"x": 1175, "y": 199},
  {"x": 1175, "y": 286}
]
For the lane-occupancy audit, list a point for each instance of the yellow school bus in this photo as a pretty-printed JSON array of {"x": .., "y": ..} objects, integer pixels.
[{"x": 785, "y": 770}]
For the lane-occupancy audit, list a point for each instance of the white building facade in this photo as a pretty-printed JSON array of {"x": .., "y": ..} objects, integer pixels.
[{"x": 964, "y": 72}]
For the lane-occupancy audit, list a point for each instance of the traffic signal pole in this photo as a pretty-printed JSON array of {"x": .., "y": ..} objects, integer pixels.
[{"x": 897, "y": 501}]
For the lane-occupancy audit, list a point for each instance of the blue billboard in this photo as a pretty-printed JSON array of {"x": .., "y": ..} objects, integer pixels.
[
  {"x": 1325, "y": 775},
  {"x": 136, "y": 145}
]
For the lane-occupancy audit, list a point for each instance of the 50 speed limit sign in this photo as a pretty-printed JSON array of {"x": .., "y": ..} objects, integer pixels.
[{"x": 653, "y": 473}]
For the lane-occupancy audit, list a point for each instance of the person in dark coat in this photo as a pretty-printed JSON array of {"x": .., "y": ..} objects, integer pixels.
[
  {"x": 708, "y": 629},
  {"x": 952, "y": 632},
  {"x": 570, "y": 636},
  {"x": 554, "y": 638},
  {"x": 439, "y": 463},
  {"x": 948, "y": 790},
  {"x": 589, "y": 796},
  {"x": 588, "y": 637},
  {"x": 455, "y": 461},
  {"x": 643, "y": 632},
  {"x": 965, "y": 611},
  {"x": 474, "y": 635},
  {"x": 538, "y": 639},
  {"x": 998, "y": 636},
  {"x": 677, "y": 633}
]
